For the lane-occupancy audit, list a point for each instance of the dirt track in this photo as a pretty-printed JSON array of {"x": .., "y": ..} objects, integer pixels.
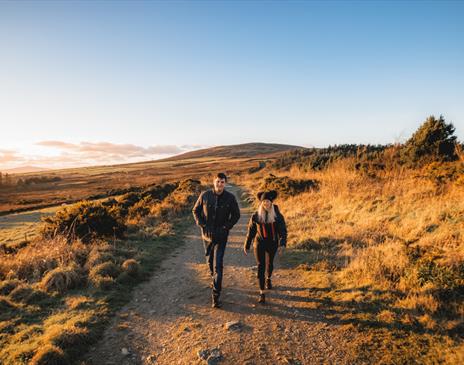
[{"x": 169, "y": 319}]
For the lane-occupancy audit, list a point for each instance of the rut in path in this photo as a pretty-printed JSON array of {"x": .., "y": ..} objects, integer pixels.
[{"x": 170, "y": 319}]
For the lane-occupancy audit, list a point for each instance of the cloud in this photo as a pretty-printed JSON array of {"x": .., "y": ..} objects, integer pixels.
[
  {"x": 8, "y": 156},
  {"x": 191, "y": 147},
  {"x": 57, "y": 144},
  {"x": 113, "y": 149},
  {"x": 88, "y": 153}
]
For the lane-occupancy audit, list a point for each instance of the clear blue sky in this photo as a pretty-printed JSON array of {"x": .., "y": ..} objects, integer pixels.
[{"x": 157, "y": 74}]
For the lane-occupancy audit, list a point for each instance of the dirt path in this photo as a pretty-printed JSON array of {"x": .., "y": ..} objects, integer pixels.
[{"x": 169, "y": 320}]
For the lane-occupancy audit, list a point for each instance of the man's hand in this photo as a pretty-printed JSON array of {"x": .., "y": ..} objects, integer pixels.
[
  {"x": 281, "y": 250},
  {"x": 245, "y": 251}
]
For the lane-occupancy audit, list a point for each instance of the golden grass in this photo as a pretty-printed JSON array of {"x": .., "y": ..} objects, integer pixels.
[
  {"x": 41, "y": 256},
  {"x": 384, "y": 254},
  {"x": 55, "y": 295},
  {"x": 62, "y": 279}
]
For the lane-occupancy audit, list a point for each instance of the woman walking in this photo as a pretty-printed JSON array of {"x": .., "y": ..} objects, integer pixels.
[{"x": 268, "y": 230}]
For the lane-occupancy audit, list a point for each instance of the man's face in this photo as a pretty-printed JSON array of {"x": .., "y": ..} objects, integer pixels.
[{"x": 219, "y": 185}]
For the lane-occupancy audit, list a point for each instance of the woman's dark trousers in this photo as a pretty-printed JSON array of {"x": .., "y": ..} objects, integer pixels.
[{"x": 264, "y": 254}]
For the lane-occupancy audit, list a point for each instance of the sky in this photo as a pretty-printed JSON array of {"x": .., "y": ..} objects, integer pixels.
[{"x": 85, "y": 83}]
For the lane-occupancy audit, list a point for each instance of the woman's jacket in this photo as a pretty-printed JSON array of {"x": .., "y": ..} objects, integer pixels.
[{"x": 273, "y": 233}]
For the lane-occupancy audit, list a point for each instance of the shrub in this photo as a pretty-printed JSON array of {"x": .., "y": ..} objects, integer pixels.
[
  {"x": 433, "y": 141},
  {"x": 159, "y": 192},
  {"x": 321, "y": 158},
  {"x": 189, "y": 186},
  {"x": 443, "y": 172},
  {"x": 287, "y": 186},
  {"x": 443, "y": 277},
  {"x": 61, "y": 279},
  {"x": 126, "y": 201},
  {"x": 141, "y": 208},
  {"x": 86, "y": 220}
]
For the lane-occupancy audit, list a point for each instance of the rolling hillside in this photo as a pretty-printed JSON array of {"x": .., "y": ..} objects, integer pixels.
[{"x": 99, "y": 181}]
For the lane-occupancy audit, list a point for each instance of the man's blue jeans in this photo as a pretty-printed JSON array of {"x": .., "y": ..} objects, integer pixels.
[{"x": 215, "y": 261}]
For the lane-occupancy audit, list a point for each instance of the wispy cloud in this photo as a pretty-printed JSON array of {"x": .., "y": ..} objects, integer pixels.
[
  {"x": 89, "y": 153},
  {"x": 8, "y": 156},
  {"x": 113, "y": 149}
]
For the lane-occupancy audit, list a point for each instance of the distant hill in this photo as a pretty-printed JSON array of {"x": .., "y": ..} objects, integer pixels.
[
  {"x": 23, "y": 170},
  {"x": 235, "y": 151}
]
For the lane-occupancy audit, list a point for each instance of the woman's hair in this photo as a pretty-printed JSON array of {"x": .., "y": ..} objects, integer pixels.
[{"x": 265, "y": 216}]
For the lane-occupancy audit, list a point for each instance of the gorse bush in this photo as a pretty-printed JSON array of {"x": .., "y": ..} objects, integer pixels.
[
  {"x": 444, "y": 172},
  {"x": 314, "y": 159},
  {"x": 86, "y": 220},
  {"x": 433, "y": 141},
  {"x": 286, "y": 186},
  {"x": 449, "y": 277}
]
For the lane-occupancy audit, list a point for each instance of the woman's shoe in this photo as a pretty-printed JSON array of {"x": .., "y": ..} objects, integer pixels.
[
  {"x": 268, "y": 284},
  {"x": 262, "y": 299}
]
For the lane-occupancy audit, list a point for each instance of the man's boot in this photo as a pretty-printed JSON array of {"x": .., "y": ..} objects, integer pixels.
[{"x": 215, "y": 301}]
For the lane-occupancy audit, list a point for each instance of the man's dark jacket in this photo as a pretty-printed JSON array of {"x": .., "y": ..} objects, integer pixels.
[{"x": 216, "y": 215}]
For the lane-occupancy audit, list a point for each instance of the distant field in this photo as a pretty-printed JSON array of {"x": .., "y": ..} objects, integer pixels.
[
  {"x": 15, "y": 228},
  {"x": 93, "y": 182}
]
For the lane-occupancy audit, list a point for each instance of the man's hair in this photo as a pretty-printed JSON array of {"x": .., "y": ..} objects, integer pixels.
[{"x": 221, "y": 175}]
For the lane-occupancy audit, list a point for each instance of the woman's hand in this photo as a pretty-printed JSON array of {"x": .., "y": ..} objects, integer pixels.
[{"x": 245, "y": 251}]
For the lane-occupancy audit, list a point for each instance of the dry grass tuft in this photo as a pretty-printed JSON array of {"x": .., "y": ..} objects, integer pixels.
[
  {"x": 62, "y": 279},
  {"x": 7, "y": 286},
  {"x": 27, "y": 294},
  {"x": 49, "y": 355},
  {"x": 131, "y": 266},
  {"x": 101, "y": 252},
  {"x": 105, "y": 269},
  {"x": 6, "y": 305},
  {"x": 31, "y": 262},
  {"x": 101, "y": 282},
  {"x": 78, "y": 302}
]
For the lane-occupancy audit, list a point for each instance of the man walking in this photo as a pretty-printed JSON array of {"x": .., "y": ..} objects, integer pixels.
[{"x": 216, "y": 212}]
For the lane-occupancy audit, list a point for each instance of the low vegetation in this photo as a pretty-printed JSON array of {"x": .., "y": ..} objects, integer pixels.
[
  {"x": 58, "y": 291},
  {"x": 380, "y": 242}
]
